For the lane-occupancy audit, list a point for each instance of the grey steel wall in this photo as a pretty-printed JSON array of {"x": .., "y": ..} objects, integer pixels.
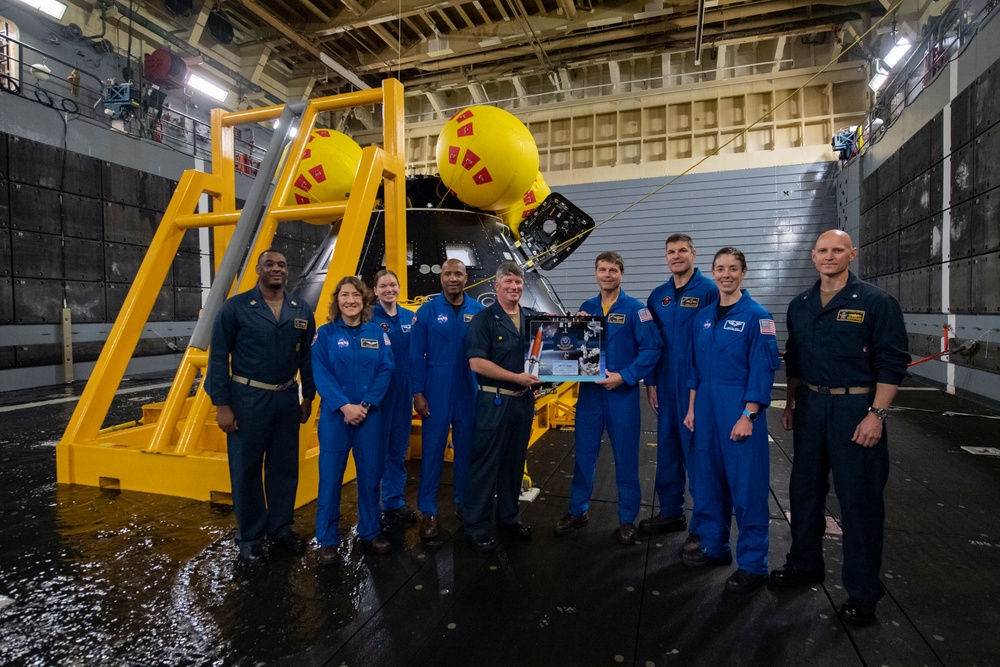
[
  {"x": 772, "y": 214},
  {"x": 929, "y": 206},
  {"x": 74, "y": 229}
]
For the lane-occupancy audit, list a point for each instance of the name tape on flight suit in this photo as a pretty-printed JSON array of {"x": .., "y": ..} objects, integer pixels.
[
  {"x": 369, "y": 343},
  {"x": 300, "y": 323},
  {"x": 690, "y": 301},
  {"x": 468, "y": 317},
  {"x": 616, "y": 318},
  {"x": 854, "y": 316}
]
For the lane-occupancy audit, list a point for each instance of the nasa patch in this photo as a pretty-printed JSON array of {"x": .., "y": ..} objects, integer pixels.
[
  {"x": 343, "y": 342},
  {"x": 442, "y": 319}
]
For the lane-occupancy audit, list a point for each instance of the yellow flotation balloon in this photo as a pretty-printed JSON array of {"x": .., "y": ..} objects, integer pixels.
[
  {"x": 329, "y": 165},
  {"x": 487, "y": 157},
  {"x": 525, "y": 206}
]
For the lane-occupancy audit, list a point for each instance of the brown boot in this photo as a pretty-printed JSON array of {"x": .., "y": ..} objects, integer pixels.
[{"x": 429, "y": 527}]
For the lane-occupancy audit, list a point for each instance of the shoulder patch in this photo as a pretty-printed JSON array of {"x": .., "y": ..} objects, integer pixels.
[
  {"x": 690, "y": 301},
  {"x": 853, "y": 316},
  {"x": 385, "y": 337},
  {"x": 369, "y": 343},
  {"x": 767, "y": 328},
  {"x": 616, "y": 318},
  {"x": 734, "y": 325}
]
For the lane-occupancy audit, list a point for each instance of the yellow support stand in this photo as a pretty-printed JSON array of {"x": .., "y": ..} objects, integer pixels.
[{"x": 177, "y": 449}]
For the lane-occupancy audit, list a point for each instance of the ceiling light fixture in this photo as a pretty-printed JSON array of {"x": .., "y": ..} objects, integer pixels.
[
  {"x": 53, "y": 8},
  {"x": 897, "y": 52},
  {"x": 207, "y": 87}
]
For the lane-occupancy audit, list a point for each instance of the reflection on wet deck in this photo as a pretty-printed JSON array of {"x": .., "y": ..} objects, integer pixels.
[{"x": 102, "y": 577}]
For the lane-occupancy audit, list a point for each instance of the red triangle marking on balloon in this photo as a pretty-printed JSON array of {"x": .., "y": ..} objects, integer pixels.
[
  {"x": 465, "y": 130},
  {"x": 318, "y": 173},
  {"x": 302, "y": 183},
  {"x": 470, "y": 159},
  {"x": 482, "y": 177},
  {"x": 453, "y": 152}
]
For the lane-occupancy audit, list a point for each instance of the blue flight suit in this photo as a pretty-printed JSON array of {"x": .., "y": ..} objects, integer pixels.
[
  {"x": 247, "y": 338},
  {"x": 503, "y": 422},
  {"x": 397, "y": 406},
  {"x": 351, "y": 365},
  {"x": 440, "y": 371},
  {"x": 857, "y": 340},
  {"x": 734, "y": 360},
  {"x": 674, "y": 315},
  {"x": 630, "y": 346}
]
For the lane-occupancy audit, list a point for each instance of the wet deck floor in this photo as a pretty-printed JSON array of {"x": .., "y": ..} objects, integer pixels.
[{"x": 90, "y": 577}]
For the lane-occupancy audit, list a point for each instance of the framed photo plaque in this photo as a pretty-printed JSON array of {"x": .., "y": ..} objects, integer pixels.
[{"x": 560, "y": 348}]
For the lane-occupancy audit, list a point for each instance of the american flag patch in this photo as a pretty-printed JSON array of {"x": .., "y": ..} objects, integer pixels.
[
  {"x": 767, "y": 328},
  {"x": 645, "y": 315}
]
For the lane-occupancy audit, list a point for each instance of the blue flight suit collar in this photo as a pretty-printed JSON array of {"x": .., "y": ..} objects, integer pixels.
[
  {"x": 619, "y": 306},
  {"x": 742, "y": 305},
  {"x": 696, "y": 279}
]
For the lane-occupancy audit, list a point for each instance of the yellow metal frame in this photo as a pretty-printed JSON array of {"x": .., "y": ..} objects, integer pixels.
[{"x": 172, "y": 452}]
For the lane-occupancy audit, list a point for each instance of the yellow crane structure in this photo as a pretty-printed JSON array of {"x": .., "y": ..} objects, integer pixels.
[{"x": 176, "y": 449}]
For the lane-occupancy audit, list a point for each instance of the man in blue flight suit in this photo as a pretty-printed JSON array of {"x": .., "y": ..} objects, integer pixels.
[
  {"x": 265, "y": 337},
  {"x": 444, "y": 389},
  {"x": 674, "y": 305},
  {"x": 631, "y": 346},
  {"x": 846, "y": 355},
  {"x": 505, "y": 409}
]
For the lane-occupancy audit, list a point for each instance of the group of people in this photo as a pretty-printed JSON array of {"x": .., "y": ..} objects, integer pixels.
[{"x": 706, "y": 351}]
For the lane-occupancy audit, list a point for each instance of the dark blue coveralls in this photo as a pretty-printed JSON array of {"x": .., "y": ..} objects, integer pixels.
[
  {"x": 397, "y": 406},
  {"x": 675, "y": 316},
  {"x": 246, "y": 335},
  {"x": 351, "y": 365},
  {"x": 857, "y": 340},
  {"x": 630, "y": 346},
  {"x": 734, "y": 360},
  {"x": 440, "y": 371},
  {"x": 503, "y": 423}
]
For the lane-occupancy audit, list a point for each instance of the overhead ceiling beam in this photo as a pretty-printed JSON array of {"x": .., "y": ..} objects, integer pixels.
[{"x": 303, "y": 43}]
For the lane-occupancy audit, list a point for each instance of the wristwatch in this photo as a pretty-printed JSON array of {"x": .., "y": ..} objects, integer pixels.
[
  {"x": 366, "y": 405},
  {"x": 881, "y": 413},
  {"x": 752, "y": 416}
]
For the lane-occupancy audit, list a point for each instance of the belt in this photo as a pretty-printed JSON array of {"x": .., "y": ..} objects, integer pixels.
[
  {"x": 839, "y": 390},
  {"x": 503, "y": 392},
  {"x": 239, "y": 379}
]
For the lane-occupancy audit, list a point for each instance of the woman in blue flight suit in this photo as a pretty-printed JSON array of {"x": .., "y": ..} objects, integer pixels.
[
  {"x": 397, "y": 407},
  {"x": 734, "y": 356},
  {"x": 352, "y": 367}
]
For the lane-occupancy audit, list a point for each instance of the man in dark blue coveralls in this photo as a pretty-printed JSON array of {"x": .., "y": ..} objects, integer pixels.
[
  {"x": 444, "y": 389},
  {"x": 631, "y": 346},
  {"x": 846, "y": 355},
  {"x": 265, "y": 336},
  {"x": 505, "y": 409},
  {"x": 674, "y": 305}
]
